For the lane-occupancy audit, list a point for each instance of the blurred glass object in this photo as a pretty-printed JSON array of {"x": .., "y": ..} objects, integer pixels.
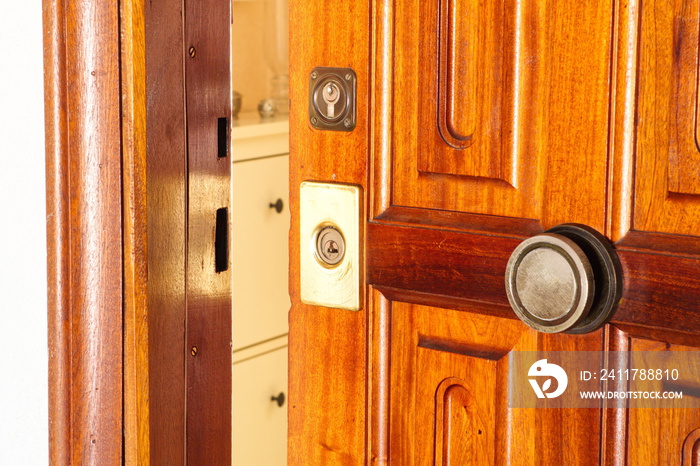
[{"x": 276, "y": 40}]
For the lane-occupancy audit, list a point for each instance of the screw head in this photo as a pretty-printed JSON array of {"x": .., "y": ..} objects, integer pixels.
[
  {"x": 192, "y": 52},
  {"x": 314, "y": 75},
  {"x": 314, "y": 120},
  {"x": 347, "y": 122},
  {"x": 194, "y": 351},
  {"x": 348, "y": 76}
]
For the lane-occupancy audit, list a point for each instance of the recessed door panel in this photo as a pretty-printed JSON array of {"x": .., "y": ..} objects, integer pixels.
[
  {"x": 489, "y": 102},
  {"x": 668, "y": 151},
  {"x": 449, "y": 392}
]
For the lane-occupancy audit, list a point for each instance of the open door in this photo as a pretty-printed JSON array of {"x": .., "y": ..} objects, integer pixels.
[{"x": 479, "y": 125}]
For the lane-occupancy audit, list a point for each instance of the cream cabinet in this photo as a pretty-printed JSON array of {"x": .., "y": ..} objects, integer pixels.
[
  {"x": 260, "y": 410},
  {"x": 260, "y": 227}
]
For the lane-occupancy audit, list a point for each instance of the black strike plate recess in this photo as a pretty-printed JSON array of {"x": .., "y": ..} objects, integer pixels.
[
  {"x": 332, "y": 99},
  {"x": 222, "y": 137},
  {"x": 221, "y": 240}
]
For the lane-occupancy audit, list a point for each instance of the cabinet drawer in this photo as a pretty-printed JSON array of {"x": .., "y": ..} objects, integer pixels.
[
  {"x": 259, "y": 423},
  {"x": 259, "y": 250}
]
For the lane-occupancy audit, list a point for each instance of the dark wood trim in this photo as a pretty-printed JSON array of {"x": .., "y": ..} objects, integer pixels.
[
  {"x": 449, "y": 263},
  {"x": 460, "y": 269},
  {"x": 662, "y": 243},
  {"x": 166, "y": 136},
  {"x": 208, "y": 98},
  {"x": 84, "y": 209},
  {"x": 460, "y": 221}
]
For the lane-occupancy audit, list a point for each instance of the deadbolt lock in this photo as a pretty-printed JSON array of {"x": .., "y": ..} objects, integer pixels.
[
  {"x": 329, "y": 231},
  {"x": 332, "y": 98}
]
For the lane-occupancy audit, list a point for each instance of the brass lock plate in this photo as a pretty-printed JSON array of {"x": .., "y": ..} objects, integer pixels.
[
  {"x": 330, "y": 215},
  {"x": 332, "y": 98}
]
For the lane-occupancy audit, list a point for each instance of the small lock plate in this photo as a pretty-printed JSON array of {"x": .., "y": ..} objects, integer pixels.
[
  {"x": 332, "y": 98},
  {"x": 330, "y": 216}
]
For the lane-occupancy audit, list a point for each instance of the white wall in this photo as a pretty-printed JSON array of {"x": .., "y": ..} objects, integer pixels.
[{"x": 23, "y": 353}]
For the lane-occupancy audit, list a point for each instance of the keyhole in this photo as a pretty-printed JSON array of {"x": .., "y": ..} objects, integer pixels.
[
  {"x": 331, "y": 249},
  {"x": 331, "y": 95}
]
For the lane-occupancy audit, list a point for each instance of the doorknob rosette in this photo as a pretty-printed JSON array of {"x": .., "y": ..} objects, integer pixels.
[{"x": 567, "y": 279}]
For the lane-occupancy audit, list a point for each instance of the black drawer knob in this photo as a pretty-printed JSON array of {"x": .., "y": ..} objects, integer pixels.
[
  {"x": 279, "y": 399},
  {"x": 278, "y": 206}
]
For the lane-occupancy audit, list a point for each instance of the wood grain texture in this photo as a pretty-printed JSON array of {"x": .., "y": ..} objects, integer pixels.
[
  {"x": 456, "y": 268},
  {"x": 439, "y": 262},
  {"x": 615, "y": 420},
  {"x": 379, "y": 369},
  {"x": 660, "y": 436},
  {"x": 328, "y": 374},
  {"x": 539, "y": 128},
  {"x": 57, "y": 233},
  {"x": 207, "y": 43},
  {"x": 84, "y": 194},
  {"x": 458, "y": 440},
  {"x": 166, "y": 210},
  {"x": 470, "y": 41},
  {"x": 420, "y": 374},
  {"x": 691, "y": 449},
  {"x": 668, "y": 157},
  {"x": 136, "y": 363},
  {"x": 623, "y": 120}
]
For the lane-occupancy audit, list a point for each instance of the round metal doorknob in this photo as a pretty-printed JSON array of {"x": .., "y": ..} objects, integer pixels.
[{"x": 567, "y": 279}]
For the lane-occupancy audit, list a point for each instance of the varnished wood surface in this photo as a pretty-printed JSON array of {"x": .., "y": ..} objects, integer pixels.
[
  {"x": 207, "y": 44},
  {"x": 660, "y": 436},
  {"x": 84, "y": 194},
  {"x": 546, "y": 125},
  {"x": 474, "y": 358},
  {"x": 456, "y": 268},
  {"x": 57, "y": 233},
  {"x": 327, "y": 387},
  {"x": 667, "y": 152},
  {"x": 166, "y": 210},
  {"x": 569, "y": 104},
  {"x": 135, "y": 221}
]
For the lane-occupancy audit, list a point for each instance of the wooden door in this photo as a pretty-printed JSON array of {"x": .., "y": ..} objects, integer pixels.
[{"x": 480, "y": 124}]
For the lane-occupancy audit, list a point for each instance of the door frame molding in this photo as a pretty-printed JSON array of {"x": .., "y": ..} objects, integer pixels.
[{"x": 95, "y": 114}]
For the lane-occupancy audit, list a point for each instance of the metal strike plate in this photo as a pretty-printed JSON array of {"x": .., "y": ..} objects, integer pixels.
[
  {"x": 332, "y": 98},
  {"x": 330, "y": 245}
]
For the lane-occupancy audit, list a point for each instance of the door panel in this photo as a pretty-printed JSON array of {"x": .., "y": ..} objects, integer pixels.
[
  {"x": 449, "y": 392},
  {"x": 538, "y": 127},
  {"x": 668, "y": 154},
  {"x": 658, "y": 436}
]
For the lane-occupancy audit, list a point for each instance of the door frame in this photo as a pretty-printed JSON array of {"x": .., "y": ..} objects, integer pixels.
[
  {"x": 117, "y": 372},
  {"x": 95, "y": 116}
]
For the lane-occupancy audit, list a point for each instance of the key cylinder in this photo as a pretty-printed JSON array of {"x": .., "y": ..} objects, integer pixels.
[{"x": 330, "y": 246}]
